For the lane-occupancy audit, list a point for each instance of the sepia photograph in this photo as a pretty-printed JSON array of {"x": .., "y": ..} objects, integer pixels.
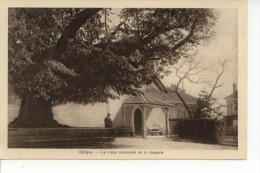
[{"x": 124, "y": 81}]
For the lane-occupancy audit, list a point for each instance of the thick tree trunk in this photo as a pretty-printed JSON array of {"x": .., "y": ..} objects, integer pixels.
[{"x": 33, "y": 113}]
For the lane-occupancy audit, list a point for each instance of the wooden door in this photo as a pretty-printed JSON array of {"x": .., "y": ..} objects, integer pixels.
[{"x": 138, "y": 122}]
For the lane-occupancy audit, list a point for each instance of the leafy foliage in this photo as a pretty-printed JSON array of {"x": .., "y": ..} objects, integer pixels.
[
  {"x": 205, "y": 108},
  {"x": 98, "y": 61}
]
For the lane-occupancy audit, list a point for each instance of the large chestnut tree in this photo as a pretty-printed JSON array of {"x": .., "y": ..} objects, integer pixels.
[{"x": 59, "y": 55}]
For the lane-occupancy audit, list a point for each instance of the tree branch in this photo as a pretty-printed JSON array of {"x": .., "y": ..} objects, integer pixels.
[
  {"x": 187, "y": 38},
  {"x": 146, "y": 39},
  {"x": 117, "y": 28},
  {"x": 223, "y": 64},
  {"x": 71, "y": 29}
]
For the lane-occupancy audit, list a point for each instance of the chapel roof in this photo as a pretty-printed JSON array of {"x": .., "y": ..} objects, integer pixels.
[
  {"x": 148, "y": 100},
  {"x": 171, "y": 96}
]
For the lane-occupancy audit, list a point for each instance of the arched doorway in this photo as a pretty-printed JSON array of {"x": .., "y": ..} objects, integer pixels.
[{"x": 138, "y": 122}]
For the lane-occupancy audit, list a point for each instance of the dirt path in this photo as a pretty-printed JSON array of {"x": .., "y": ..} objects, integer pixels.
[{"x": 165, "y": 143}]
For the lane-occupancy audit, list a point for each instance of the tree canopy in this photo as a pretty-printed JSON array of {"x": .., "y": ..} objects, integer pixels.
[{"x": 78, "y": 55}]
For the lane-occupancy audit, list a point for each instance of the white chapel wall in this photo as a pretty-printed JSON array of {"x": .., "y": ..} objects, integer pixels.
[
  {"x": 156, "y": 119},
  {"x": 78, "y": 115}
]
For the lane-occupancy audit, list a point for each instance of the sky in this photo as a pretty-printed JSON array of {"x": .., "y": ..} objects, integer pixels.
[{"x": 222, "y": 46}]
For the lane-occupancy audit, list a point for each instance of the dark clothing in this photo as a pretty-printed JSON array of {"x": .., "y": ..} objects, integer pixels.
[{"x": 108, "y": 122}]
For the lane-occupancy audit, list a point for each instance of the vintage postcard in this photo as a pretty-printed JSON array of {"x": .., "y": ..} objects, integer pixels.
[{"x": 123, "y": 80}]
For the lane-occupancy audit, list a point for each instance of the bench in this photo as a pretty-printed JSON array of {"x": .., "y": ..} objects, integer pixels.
[{"x": 155, "y": 132}]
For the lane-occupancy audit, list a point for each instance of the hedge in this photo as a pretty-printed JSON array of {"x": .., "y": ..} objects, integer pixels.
[{"x": 198, "y": 130}]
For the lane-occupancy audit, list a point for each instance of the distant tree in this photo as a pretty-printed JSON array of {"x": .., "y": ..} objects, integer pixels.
[
  {"x": 189, "y": 70},
  {"x": 73, "y": 55},
  {"x": 206, "y": 108}
]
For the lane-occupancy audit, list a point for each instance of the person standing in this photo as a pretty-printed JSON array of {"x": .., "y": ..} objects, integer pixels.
[{"x": 108, "y": 121}]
